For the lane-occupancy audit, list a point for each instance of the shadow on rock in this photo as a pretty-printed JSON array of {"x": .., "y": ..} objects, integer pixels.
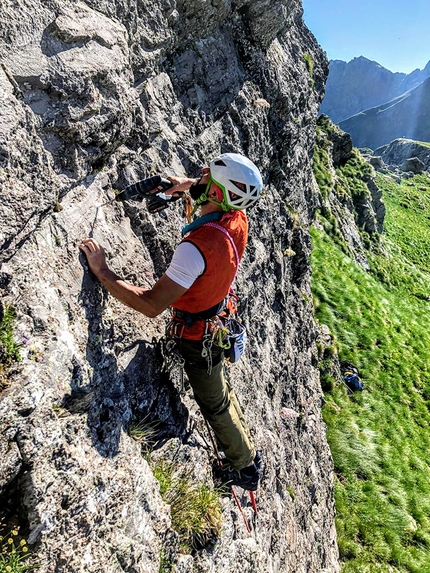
[{"x": 115, "y": 397}]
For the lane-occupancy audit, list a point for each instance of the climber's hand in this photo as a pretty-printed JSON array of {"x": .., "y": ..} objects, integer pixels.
[{"x": 95, "y": 254}]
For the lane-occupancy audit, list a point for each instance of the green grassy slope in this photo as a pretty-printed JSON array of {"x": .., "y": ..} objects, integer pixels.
[
  {"x": 380, "y": 439},
  {"x": 408, "y": 220}
]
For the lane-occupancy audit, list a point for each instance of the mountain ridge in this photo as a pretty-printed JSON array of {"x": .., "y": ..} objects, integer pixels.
[
  {"x": 407, "y": 116},
  {"x": 362, "y": 84}
]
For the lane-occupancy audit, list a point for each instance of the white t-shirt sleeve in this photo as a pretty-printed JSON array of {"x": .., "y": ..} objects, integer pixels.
[{"x": 187, "y": 265}]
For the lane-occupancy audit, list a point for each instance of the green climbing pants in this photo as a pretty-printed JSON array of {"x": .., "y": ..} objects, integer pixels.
[{"x": 218, "y": 403}]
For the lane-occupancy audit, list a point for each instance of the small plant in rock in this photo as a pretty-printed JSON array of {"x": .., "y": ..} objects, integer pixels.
[
  {"x": 14, "y": 554},
  {"x": 60, "y": 411},
  {"x": 166, "y": 565},
  {"x": 9, "y": 349},
  {"x": 195, "y": 508},
  {"x": 144, "y": 432},
  {"x": 309, "y": 60}
]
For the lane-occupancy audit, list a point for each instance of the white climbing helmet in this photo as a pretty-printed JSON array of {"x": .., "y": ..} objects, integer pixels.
[{"x": 238, "y": 178}]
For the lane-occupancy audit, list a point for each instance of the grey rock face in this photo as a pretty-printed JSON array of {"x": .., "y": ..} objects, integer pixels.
[
  {"x": 374, "y": 217},
  {"x": 377, "y": 162},
  {"x": 342, "y": 147},
  {"x": 25, "y": 206},
  {"x": 413, "y": 164},
  {"x": 94, "y": 96},
  {"x": 399, "y": 151}
]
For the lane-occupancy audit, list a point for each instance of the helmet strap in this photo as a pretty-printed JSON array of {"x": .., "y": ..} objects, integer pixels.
[{"x": 204, "y": 197}]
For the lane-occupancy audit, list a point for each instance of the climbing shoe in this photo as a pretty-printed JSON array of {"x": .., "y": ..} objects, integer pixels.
[{"x": 246, "y": 478}]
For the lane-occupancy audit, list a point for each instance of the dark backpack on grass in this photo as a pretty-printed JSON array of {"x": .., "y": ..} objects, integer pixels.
[
  {"x": 353, "y": 382},
  {"x": 351, "y": 377}
]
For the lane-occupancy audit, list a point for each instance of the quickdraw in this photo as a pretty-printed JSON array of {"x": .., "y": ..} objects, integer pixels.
[
  {"x": 207, "y": 343},
  {"x": 188, "y": 207},
  {"x": 171, "y": 358},
  {"x": 215, "y": 333}
]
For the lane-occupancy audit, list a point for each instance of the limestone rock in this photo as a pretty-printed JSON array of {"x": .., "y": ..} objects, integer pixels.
[
  {"x": 398, "y": 151},
  {"x": 94, "y": 96},
  {"x": 10, "y": 464},
  {"x": 413, "y": 164},
  {"x": 342, "y": 147},
  {"x": 377, "y": 162}
]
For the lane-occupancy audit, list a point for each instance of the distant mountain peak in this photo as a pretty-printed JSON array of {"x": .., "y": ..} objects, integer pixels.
[
  {"x": 361, "y": 83},
  {"x": 407, "y": 116}
]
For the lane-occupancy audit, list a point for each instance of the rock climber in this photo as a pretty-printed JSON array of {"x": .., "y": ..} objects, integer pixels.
[{"x": 197, "y": 288}]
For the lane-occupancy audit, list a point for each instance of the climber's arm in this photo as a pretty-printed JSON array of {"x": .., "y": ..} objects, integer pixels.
[{"x": 149, "y": 302}]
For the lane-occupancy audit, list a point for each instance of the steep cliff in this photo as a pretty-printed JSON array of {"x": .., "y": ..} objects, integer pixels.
[
  {"x": 350, "y": 200},
  {"x": 96, "y": 95}
]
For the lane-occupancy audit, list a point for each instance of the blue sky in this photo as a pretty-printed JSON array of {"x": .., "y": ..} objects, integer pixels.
[{"x": 394, "y": 33}]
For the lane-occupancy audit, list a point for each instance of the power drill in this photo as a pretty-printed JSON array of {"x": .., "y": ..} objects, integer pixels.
[{"x": 150, "y": 189}]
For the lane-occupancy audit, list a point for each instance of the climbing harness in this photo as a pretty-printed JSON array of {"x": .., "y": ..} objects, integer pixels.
[{"x": 220, "y": 330}]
